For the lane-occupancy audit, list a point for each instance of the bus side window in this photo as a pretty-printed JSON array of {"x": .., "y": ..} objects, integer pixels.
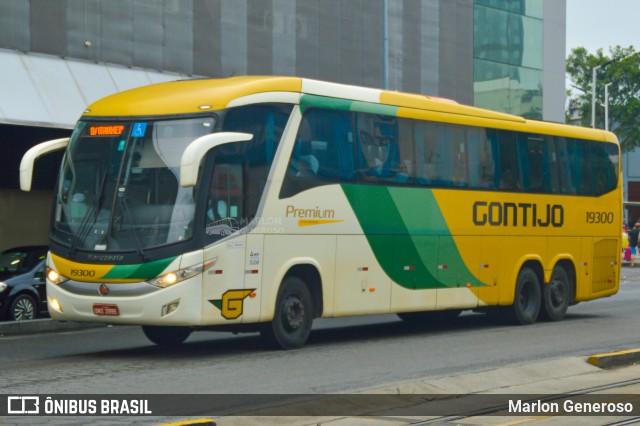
[
  {"x": 427, "y": 160},
  {"x": 534, "y": 163},
  {"x": 606, "y": 166},
  {"x": 377, "y": 148},
  {"x": 457, "y": 175},
  {"x": 508, "y": 166},
  {"x": 323, "y": 152},
  {"x": 266, "y": 123},
  {"x": 406, "y": 156},
  {"x": 480, "y": 155},
  {"x": 580, "y": 166},
  {"x": 565, "y": 176}
]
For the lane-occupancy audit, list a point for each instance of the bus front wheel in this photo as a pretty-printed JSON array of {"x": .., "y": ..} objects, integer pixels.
[
  {"x": 526, "y": 304},
  {"x": 293, "y": 317},
  {"x": 556, "y": 295},
  {"x": 166, "y": 336}
]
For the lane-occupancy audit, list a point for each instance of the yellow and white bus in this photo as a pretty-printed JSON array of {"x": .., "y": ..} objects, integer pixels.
[{"x": 261, "y": 203}]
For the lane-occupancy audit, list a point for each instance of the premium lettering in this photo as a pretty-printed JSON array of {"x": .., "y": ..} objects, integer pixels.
[{"x": 309, "y": 213}]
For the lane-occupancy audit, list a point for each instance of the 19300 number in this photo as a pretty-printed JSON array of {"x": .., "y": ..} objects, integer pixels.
[
  {"x": 599, "y": 217},
  {"x": 82, "y": 273}
]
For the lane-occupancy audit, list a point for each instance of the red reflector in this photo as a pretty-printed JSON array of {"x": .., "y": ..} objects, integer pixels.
[{"x": 218, "y": 271}]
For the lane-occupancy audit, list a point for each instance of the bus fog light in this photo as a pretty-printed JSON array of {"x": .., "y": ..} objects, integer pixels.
[
  {"x": 169, "y": 308},
  {"x": 54, "y": 304}
]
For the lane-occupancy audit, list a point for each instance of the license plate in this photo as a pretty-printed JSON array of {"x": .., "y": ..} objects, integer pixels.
[{"x": 110, "y": 310}]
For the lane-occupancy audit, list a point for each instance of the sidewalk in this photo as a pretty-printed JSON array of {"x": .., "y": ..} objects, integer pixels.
[{"x": 553, "y": 377}]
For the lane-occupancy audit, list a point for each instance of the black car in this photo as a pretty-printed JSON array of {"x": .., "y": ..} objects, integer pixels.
[
  {"x": 20, "y": 260},
  {"x": 22, "y": 283}
]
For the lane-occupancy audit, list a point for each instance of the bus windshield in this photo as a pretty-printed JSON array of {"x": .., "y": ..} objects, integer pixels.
[{"x": 119, "y": 185}]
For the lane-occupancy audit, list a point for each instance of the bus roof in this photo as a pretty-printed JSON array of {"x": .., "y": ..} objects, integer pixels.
[{"x": 194, "y": 96}]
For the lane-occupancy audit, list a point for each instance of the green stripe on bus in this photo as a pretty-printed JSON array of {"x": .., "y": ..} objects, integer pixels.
[
  {"x": 374, "y": 108},
  {"x": 347, "y": 105},
  {"x": 409, "y": 236},
  {"x": 140, "y": 271},
  {"x": 325, "y": 102}
]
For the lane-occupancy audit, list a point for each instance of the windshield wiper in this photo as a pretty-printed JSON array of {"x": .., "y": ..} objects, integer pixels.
[
  {"x": 132, "y": 229},
  {"x": 93, "y": 212}
]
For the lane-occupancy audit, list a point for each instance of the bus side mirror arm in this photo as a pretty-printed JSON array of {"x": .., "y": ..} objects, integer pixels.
[
  {"x": 196, "y": 150},
  {"x": 30, "y": 157}
]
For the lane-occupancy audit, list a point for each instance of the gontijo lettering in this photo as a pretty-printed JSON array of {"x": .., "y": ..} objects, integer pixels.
[{"x": 517, "y": 214}]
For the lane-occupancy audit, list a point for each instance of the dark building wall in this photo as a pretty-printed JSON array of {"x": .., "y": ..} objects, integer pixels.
[
  {"x": 25, "y": 216},
  {"x": 430, "y": 41},
  {"x": 14, "y": 143}
]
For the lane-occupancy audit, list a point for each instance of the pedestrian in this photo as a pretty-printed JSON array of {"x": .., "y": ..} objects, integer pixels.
[{"x": 633, "y": 241}]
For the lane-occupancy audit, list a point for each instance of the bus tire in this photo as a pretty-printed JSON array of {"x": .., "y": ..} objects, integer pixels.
[
  {"x": 293, "y": 316},
  {"x": 556, "y": 295},
  {"x": 526, "y": 303},
  {"x": 430, "y": 317},
  {"x": 166, "y": 336}
]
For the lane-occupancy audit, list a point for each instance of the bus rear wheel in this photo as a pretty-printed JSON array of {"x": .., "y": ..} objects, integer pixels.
[
  {"x": 526, "y": 304},
  {"x": 166, "y": 336},
  {"x": 556, "y": 295},
  {"x": 293, "y": 317}
]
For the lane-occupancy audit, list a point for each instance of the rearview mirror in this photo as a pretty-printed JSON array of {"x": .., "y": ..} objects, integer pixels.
[
  {"x": 30, "y": 157},
  {"x": 196, "y": 150}
]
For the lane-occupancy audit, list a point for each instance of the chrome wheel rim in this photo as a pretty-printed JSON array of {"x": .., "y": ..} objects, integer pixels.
[{"x": 23, "y": 310}]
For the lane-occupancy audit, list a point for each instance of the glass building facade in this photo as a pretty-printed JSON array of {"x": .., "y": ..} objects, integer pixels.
[{"x": 508, "y": 40}]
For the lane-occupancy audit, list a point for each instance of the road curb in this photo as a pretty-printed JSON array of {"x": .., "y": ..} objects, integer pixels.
[
  {"x": 615, "y": 359},
  {"x": 11, "y": 328}
]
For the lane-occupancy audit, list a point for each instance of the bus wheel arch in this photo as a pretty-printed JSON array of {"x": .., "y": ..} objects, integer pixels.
[
  {"x": 310, "y": 275},
  {"x": 293, "y": 315},
  {"x": 527, "y": 294},
  {"x": 559, "y": 293}
]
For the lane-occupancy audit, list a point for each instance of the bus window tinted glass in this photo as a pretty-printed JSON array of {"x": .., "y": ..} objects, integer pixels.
[
  {"x": 266, "y": 123},
  {"x": 378, "y": 153},
  {"x": 535, "y": 165},
  {"x": 323, "y": 152},
  {"x": 480, "y": 156}
]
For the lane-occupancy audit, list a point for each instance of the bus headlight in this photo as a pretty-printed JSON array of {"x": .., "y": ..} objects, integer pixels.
[
  {"x": 3, "y": 286},
  {"x": 174, "y": 277},
  {"x": 55, "y": 277}
]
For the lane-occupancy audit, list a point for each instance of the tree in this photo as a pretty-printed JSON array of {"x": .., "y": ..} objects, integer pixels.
[{"x": 622, "y": 69}]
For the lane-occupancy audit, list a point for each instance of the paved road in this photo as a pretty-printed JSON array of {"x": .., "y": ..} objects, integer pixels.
[{"x": 342, "y": 355}]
